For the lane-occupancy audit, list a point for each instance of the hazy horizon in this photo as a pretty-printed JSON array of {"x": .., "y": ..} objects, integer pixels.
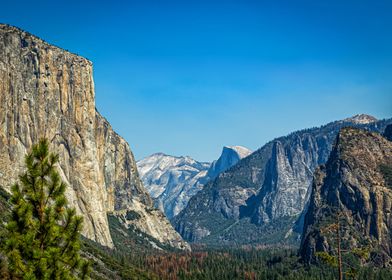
[{"x": 189, "y": 78}]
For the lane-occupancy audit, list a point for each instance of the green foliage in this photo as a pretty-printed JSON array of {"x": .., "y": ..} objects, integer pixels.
[
  {"x": 132, "y": 215},
  {"x": 327, "y": 258},
  {"x": 131, "y": 239},
  {"x": 361, "y": 253},
  {"x": 136, "y": 261},
  {"x": 113, "y": 264},
  {"x": 340, "y": 254},
  {"x": 42, "y": 235},
  {"x": 230, "y": 232},
  {"x": 240, "y": 263}
]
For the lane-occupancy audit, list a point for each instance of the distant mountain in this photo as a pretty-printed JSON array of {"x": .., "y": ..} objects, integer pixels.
[
  {"x": 261, "y": 198},
  {"x": 229, "y": 157},
  {"x": 360, "y": 119},
  {"x": 357, "y": 182},
  {"x": 172, "y": 181}
]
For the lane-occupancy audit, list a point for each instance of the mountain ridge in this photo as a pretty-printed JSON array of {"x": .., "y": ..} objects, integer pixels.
[
  {"x": 173, "y": 180},
  {"x": 269, "y": 189}
]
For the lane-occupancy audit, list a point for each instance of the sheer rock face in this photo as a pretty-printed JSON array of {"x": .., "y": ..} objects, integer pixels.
[
  {"x": 229, "y": 157},
  {"x": 357, "y": 180},
  {"x": 48, "y": 92},
  {"x": 269, "y": 187}
]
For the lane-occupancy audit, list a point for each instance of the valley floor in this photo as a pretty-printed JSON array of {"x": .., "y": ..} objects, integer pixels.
[{"x": 239, "y": 263}]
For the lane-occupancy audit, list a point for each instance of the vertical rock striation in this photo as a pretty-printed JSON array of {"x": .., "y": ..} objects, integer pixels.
[
  {"x": 357, "y": 182},
  {"x": 259, "y": 199},
  {"x": 229, "y": 157},
  {"x": 48, "y": 92}
]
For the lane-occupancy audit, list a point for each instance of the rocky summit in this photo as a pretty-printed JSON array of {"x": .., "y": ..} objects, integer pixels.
[
  {"x": 356, "y": 182},
  {"x": 229, "y": 157},
  {"x": 48, "y": 92},
  {"x": 172, "y": 181},
  {"x": 261, "y": 199}
]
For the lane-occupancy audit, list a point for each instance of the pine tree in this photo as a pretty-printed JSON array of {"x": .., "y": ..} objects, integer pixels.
[
  {"x": 334, "y": 232},
  {"x": 42, "y": 236}
]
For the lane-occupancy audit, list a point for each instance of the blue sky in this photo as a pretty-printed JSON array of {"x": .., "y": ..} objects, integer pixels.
[{"x": 187, "y": 77}]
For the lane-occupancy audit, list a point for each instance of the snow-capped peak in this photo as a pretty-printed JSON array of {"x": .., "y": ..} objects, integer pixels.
[
  {"x": 240, "y": 150},
  {"x": 361, "y": 119},
  {"x": 171, "y": 180},
  {"x": 229, "y": 157}
]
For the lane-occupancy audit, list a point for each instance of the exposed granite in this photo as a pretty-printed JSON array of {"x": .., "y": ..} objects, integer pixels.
[
  {"x": 48, "y": 92},
  {"x": 356, "y": 183},
  {"x": 270, "y": 188}
]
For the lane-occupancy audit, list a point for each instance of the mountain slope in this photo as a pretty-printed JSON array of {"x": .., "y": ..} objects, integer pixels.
[
  {"x": 48, "y": 92},
  {"x": 172, "y": 181},
  {"x": 105, "y": 262},
  {"x": 356, "y": 181},
  {"x": 260, "y": 198}
]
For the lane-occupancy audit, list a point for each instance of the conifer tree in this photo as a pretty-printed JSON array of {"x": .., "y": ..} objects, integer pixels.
[
  {"x": 42, "y": 235},
  {"x": 334, "y": 231}
]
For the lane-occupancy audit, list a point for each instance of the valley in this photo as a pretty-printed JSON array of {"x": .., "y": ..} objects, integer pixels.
[{"x": 246, "y": 215}]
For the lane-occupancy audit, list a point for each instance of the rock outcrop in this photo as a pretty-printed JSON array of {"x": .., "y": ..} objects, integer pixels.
[
  {"x": 356, "y": 182},
  {"x": 49, "y": 92},
  {"x": 261, "y": 198},
  {"x": 229, "y": 157}
]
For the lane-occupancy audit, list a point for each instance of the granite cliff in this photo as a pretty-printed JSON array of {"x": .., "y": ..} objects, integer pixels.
[
  {"x": 261, "y": 198},
  {"x": 356, "y": 182},
  {"x": 229, "y": 157},
  {"x": 48, "y": 92}
]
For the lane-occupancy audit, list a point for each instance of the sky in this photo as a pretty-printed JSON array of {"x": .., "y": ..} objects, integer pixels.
[{"x": 188, "y": 77}]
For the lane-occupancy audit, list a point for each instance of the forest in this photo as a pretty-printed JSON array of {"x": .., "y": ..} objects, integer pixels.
[{"x": 234, "y": 263}]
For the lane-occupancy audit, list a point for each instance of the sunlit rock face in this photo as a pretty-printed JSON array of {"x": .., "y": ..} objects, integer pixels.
[
  {"x": 48, "y": 92},
  {"x": 357, "y": 182},
  {"x": 229, "y": 157}
]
